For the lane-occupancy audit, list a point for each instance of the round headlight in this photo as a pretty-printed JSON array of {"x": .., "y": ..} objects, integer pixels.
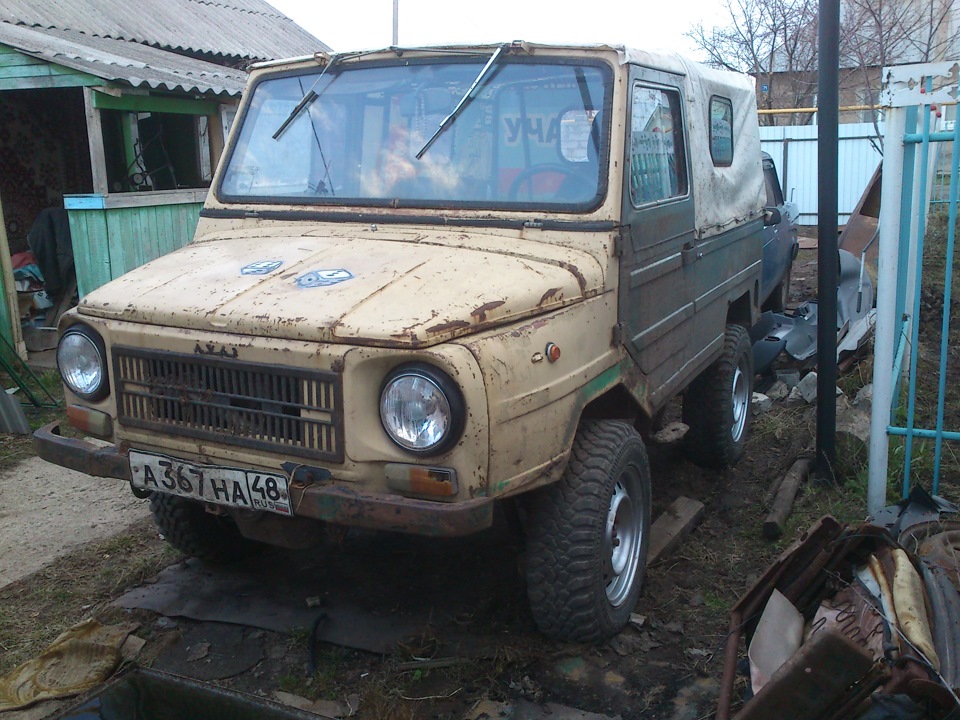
[
  {"x": 82, "y": 361},
  {"x": 422, "y": 409}
]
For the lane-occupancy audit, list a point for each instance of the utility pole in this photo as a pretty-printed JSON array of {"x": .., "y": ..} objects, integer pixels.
[
  {"x": 396, "y": 22},
  {"x": 828, "y": 72}
]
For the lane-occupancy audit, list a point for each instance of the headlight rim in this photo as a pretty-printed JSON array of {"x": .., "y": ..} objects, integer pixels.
[
  {"x": 103, "y": 389},
  {"x": 447, "y": 387}
]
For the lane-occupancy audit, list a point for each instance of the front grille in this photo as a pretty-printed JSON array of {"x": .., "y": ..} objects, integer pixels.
[{"x": 268, "y": 407}]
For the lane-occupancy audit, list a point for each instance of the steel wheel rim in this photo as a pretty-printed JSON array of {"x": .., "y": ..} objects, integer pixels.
[
  {"x": 741, "y": 403},
  {"x": 623, "y": 535}
]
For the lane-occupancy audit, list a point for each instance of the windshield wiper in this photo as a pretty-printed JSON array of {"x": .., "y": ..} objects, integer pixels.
[
  {"x": 306, "y": 100},
  {"x": 467, "y": 96}
]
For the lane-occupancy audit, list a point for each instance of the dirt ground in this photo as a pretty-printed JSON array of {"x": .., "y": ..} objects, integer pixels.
[
  {"x": 47, "y": 510},
  {"x": 669, "y": 667}
]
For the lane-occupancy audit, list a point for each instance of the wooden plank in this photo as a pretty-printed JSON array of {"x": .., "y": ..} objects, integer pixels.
[
  {"x": 786, "y": 493},
  {"x": 88, "y": 228},
  {"x": 674, "y": 525},
  {"x": 135, "y": 199},
  {"x": 53, "y": 81},
  {"x": 94, "y": 201},
  {"x": 9, "y": 309},
  {"x": 150, "y": 103},
  {"x": 98, "y": 162},
  {"x": 15, "y": 59},
  {"x": 33, "y": 70}
]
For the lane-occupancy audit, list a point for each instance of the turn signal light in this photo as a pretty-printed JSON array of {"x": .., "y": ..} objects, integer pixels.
[
  {"x": 420, "y": 480},
  {"x": 97, "y": 423}
]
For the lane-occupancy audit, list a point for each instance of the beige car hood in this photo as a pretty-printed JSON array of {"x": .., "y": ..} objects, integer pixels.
[{"x": 389, "y": 292}]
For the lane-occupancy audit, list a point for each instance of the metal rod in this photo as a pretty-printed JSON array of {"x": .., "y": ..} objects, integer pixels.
[
  {"x": 396, "y": 22},
  {"x": 917, "y": 259},
  {"x": 923, "y": 433},
  {"x": 827, "y": 259},
  {"x": 947, "y": 293}
]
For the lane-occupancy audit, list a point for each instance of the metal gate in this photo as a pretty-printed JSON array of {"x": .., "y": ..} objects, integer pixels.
[{"x": 912, "y": 344}]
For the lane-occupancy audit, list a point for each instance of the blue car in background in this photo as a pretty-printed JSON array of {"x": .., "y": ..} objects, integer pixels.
[{"x": 780, "y": 244}]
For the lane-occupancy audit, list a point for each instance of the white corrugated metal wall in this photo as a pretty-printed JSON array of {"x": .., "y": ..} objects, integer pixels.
[{"x": 794, "y": 151}]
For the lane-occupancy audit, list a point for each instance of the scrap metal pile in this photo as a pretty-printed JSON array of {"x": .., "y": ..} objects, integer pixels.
[{"x": 855, "y": 622}]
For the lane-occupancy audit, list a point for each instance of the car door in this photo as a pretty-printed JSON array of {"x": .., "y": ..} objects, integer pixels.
[{"x": 656, "y": 305}]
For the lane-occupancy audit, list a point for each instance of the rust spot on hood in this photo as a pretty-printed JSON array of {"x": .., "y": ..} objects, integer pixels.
[
  {"x": 548, "y": 295},
  {"x": 448, "y": 326},
  {"x": 481, "y": 312},
  {"x": 575, "y": 271}
]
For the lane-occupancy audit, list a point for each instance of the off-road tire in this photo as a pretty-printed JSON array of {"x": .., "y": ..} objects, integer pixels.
[
  {"x": 573, "y": 527},
  {"x": 716, "y": 406},
  {"x": 197, "y": 533}
]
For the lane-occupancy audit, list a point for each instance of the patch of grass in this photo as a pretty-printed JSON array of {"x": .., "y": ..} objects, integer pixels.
[{"x": 79, "y": 585}]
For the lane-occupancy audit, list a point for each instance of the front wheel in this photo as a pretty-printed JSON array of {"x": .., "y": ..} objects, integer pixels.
[
  {"x": 716, "y": 405},
  {"x": 187, "y": 526},
  {"x": 588, "y": 536}
]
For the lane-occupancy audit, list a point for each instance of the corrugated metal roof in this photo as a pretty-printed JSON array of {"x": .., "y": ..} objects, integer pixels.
[
  {"x": 133, "y": 63},
  {"x": 242, "y": 29}
]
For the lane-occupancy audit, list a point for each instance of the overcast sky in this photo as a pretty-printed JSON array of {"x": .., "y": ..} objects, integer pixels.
[{"x": 360, "y": 24}]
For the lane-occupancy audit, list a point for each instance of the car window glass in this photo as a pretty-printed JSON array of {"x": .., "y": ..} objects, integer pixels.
[
  {"x": 657, "y": 160},
  {"x": 531, "y": 135},
  {"x": 721, "y": 131},
  {"x": 774, "y": 193}
]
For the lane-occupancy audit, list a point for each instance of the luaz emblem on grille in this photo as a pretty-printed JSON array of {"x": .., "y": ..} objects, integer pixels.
[{"x": 211, "y": 349}]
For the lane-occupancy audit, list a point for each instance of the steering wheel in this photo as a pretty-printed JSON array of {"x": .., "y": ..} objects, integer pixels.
[{"x": 575, "y": 178}]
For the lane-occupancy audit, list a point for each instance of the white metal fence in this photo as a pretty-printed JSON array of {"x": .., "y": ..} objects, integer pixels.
[{"x": 794, "y": 152}]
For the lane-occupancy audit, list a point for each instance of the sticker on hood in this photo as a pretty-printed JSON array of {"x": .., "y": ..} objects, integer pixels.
[
  {"x": 323, "y": 278},
  {"x": 261, "y": 267}
]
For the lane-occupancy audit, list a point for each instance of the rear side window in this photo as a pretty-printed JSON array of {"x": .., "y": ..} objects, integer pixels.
[
  {"x": 774, "y": 193},
  {"x": 721, "y": 131},
  {"x": 658, "y": 166}
]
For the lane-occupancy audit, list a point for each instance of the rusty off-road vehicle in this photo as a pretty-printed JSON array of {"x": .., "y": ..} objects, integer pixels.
[{"x": 428, "y": 280}]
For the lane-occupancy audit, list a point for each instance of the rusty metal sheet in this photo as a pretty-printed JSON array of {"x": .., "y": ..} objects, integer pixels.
[
  {"x": 816, "y": 678},
  {"x": 350, "y": 506}
]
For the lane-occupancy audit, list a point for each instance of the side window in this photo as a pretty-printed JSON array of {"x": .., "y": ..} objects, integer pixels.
[
  {"x": 721, "y": 131},
  {"x": 774, "y": 193},
  {"x": 658, "y": 166}
]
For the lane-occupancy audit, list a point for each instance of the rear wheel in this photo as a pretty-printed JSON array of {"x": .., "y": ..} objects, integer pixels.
[
  {"x": 193, "y": 531},
  {"x": 716, "y": 406},
  {"x": 588, "y": 536}
]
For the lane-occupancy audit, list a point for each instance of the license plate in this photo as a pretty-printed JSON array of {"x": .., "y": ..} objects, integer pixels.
[{"x": 233, "y": 487}]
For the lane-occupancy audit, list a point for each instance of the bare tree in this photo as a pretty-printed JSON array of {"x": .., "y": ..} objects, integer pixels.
[
  {"x": 776, "y": 41},
  {"x": 773, "y": 40}
]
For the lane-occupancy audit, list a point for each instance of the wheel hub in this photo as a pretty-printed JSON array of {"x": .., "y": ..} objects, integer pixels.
[
  {"x": 741, "y": 403},
  {"x": 622, "y": 535}
]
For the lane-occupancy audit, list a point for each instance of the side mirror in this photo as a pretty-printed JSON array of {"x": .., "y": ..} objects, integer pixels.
[{"x": 771, "y": 216}]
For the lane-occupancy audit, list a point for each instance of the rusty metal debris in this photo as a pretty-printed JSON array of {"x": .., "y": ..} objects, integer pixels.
[{"x": 880, "y": 608}]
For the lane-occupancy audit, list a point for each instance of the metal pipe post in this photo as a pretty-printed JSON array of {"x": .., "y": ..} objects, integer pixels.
[
  {"x": 396, "y": 22},
  {"x": 885, "y": 335},
  {"x": 827, "y": 260}
]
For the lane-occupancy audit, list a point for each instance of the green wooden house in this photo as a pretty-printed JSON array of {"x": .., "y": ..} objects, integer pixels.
[{"x": 117, "y": 113}]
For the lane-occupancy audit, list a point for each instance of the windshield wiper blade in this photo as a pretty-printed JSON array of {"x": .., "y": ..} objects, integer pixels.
[
  {"x": 467, "y": 96},
  {"x": 306, "y": 100}
]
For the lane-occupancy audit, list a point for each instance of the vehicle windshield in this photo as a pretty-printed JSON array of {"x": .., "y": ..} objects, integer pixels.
[{"x": 530, "y": 135}]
